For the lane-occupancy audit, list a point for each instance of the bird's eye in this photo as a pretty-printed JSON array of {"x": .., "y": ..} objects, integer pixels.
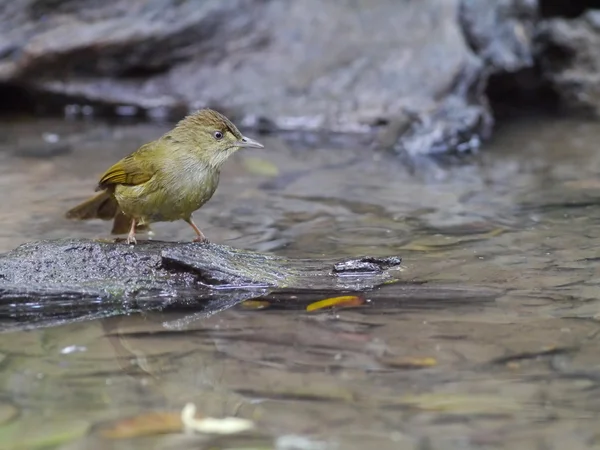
[{"x": 218, "y": 135}]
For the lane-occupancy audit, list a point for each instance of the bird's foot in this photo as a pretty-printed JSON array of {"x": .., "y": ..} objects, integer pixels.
[
  {"x": 131, "y": 236},
  {"x": 202, "y": 239}
]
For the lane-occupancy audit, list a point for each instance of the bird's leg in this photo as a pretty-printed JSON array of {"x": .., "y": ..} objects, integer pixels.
[
  {"x": 131, "y": 236},
  {"x": 199, "y": 235}
]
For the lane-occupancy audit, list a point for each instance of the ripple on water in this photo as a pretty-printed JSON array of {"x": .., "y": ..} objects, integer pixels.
[{"x": 490, "y": 338}]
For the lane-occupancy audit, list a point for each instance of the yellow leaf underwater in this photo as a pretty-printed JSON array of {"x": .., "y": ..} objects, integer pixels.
[
  {"x": 255, "y": 304},
  {"x": 344, "y": 300},
  {"x": 147, "y": 424},
  {"x": 257, "y": 166},
  {"x": 8, "y": 412},
  {"x": 410, "y": 362}
]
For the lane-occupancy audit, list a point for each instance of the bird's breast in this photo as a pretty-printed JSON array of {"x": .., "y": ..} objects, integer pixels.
[
  {"x": 193, "y": 186},
  {"x": 173, "y": 193}
]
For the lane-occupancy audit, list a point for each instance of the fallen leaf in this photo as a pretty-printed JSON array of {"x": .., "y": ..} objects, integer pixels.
[
  {"x": 493, "y": 233},
  {"x": 440, "y": 243},
  {"x": 8, "y": 412},
  {"x": 21, "y": 435},
  {"x": 590, "y": 183},
  {"x": 147, "y": 424},
  {"x": 344, "y": 300},
  {"x": 211, "y": 425},
  {"x": 255, "y": 304},
  {"x": 410, "y": 362},
  {"x": 263, "y": 167}
]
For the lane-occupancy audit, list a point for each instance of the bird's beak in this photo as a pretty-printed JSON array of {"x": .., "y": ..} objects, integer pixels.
[{"x": 249, "y": 143}]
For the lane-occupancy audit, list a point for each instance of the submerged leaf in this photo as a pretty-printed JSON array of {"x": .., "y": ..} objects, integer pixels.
[
  {"x": 211, "y": 425},
  {"x": 255, "y": 304},
  {"x": 344, "y": 300},
  {"x": 8, "y": 412},
  {"x": 439, "y": 243},
  {"x": 147, "y": 424},
  {"x": 588, "y": 183},
  {"x": 258, "y": 166},
  {"x": 410, "y": 362},
  {"x": 20, "y": 435}
]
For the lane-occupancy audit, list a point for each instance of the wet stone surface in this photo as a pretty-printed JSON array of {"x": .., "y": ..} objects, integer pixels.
[
  {"x": 570, "y": 58},
  {"x": 113, "y": 268}
]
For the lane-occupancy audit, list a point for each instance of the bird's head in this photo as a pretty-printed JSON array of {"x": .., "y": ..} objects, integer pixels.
[{"x": 212, "y": 135}]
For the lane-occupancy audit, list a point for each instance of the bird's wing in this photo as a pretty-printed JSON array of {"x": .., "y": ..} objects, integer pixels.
[{"x": 129, "y": 171}]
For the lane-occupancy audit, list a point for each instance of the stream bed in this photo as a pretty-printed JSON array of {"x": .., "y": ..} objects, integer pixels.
[{"x": 511, "y": 360}]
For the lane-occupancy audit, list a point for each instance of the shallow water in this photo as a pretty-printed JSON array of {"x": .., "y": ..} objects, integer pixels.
[{"x": 512, "y": 361}]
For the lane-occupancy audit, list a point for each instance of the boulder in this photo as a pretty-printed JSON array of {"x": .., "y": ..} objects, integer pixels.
[
  {"x": 154, "y": 271},
  {"x": 401, "y": 67},
  {"x": 569, "y": 57}
]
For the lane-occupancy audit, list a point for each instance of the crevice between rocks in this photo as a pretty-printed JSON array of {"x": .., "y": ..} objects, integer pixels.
[
  {"x": 16, "y": 100},
  {"x": 523, "y": 93},
  {"x": 21, "y": 99},
  {"x": 528, "y": 92},
  {"x": 566, "y": 8}
]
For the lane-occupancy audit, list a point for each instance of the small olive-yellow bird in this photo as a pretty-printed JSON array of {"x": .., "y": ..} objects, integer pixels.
[{"x": 167, "y": 179}]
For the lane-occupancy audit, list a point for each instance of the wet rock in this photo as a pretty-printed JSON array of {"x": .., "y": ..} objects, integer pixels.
[
  {"x": 569, "y": 55},
  {"x": 366, "y": 265},
  {"x": 501, "y": 32},
  {"x": 152, "y": 270},
  {"x": 459, "y": 124},
  {"x": 334, "y": 65}
]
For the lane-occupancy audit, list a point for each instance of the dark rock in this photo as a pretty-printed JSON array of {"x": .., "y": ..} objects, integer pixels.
[
  {"x": 116, "y": 272},
  {"x": 318, "y": 65},
  {"x": 566, "y": 8},
  {"x": 501, "y": 32},
  {"x": 569, "y": 55},
  {"x": 366, "y": 265},
  {"x": 458, "y": 124},
  {"x": 47, "y": 283}
]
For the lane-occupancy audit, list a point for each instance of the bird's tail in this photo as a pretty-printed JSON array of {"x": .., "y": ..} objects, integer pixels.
[{"x": 104, "y": 206}]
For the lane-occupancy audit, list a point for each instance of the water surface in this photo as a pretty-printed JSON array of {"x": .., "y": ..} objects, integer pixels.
[{"x": 407, "y": 370}]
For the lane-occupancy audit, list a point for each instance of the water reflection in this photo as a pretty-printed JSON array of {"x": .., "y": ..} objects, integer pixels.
[{"x": 490, "y": 341}]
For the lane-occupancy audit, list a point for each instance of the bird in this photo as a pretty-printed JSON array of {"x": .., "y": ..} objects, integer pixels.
[{"x": 167, "y": 179}]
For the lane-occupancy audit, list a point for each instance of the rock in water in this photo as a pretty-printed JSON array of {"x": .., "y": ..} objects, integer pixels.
[
  {"x": 569, "y": 53},
  {"x": 48, "y": 283},
  {"x": 501, "y": 33},
  {"x": 331, "y": 65},
  {"x": 55, "y": 270}
]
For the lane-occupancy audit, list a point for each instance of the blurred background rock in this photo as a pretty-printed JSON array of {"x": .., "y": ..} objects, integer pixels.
[{"x": 428, "y": 75}]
